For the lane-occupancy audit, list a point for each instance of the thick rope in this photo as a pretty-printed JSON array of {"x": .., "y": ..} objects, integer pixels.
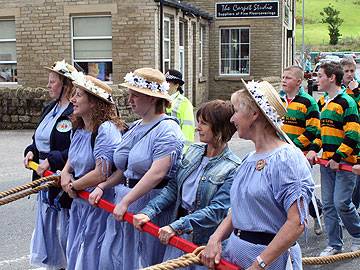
[
  {"x": 330, "y": 259},
  {"x": 28, "y": 185},
  {"x": 27, "y": 193},
  {"x": 193, "y": 258},
  {"x": 183, "y": 261}
]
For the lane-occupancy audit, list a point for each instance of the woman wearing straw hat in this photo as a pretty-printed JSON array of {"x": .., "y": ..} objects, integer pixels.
[
  {"x": 96, "y": 134},
  {"x": 146, "y": 159},
  {"x": 50, "y": 148},
  {"x": 270, "y": 192}
]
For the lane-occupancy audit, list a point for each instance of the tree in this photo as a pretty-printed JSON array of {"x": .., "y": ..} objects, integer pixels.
[{"x": 331, "y": 17}]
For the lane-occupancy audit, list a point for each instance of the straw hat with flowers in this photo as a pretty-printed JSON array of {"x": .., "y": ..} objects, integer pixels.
[
  {"x": 269, "y": 103},
  {"x": 94, "y": 87},
  {"x": 62, "y": 68},
  {"x": 148, "y": 81}
]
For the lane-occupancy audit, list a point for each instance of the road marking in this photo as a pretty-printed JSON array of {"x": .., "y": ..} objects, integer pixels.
[{"x": 20, "y": 259}]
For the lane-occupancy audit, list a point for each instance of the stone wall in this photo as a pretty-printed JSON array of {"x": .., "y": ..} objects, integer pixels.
[{"x": 21, "y": 108}]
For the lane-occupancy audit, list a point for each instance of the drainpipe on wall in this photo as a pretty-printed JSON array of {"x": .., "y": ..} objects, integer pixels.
[
  {"x": 293, "y": 48},
  {"x": 161, "y": 35}
]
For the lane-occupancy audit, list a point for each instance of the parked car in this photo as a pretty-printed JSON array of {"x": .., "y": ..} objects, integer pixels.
[{"x": 312, "y": 79}]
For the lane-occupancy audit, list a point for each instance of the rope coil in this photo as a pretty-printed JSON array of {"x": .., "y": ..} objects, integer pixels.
[
  {"x": 28, "y": 185},
  {"x": 51, "y": 181},
  {"x": 183, "y": 261}
]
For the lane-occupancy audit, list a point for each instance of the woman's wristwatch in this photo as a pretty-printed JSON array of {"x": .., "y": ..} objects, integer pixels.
[{"x": 261, "y": 263}]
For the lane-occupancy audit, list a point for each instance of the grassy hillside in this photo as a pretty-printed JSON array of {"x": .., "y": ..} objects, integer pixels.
[{"x": 316, "y": 33}]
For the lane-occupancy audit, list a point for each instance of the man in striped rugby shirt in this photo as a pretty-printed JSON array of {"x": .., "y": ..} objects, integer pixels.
[
  {"x": 351, "y": 84},
  {"x": 339, "y": 125},
  {"x": 301, "y": 122}
]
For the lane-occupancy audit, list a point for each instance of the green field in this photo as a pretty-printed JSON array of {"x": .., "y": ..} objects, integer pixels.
[{"x": 316, "y": 33}]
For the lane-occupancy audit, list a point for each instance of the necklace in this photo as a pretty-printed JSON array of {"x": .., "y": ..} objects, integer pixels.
[{"x": 260, "y": 164}]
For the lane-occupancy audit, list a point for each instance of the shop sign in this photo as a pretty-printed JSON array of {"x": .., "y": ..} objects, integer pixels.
[{"x": 267, "y": 9}]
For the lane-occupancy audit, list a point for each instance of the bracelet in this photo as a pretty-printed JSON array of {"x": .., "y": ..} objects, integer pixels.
[
  {"x": 260, "y": 262},
  {"x": 100, "y": 188}
]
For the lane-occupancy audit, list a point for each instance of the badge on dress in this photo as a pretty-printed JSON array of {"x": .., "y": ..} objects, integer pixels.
[
  {"x": 64, "y": 126},
  {"x": 260, "y": 164}
]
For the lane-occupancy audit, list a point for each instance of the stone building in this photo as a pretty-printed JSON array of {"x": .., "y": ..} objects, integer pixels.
[{"x": 214, "y": 44}]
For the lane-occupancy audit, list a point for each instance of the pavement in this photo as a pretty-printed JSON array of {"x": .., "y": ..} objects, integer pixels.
[{"x": 17, "y": 218}]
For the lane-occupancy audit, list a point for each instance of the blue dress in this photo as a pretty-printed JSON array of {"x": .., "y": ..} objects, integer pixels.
[
  {"x": 124, "y": 247},
  {"x": 87, "y": 223},
  {"x": 261, "y": 199},
  {"x": 48, "y": 242}
]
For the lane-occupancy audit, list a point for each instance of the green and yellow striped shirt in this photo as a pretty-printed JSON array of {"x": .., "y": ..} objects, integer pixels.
[
  {"x": 339, "y": 124},
  {"x": 302, "y": 121}
]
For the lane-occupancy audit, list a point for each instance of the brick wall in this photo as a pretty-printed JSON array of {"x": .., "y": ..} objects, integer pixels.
[
  {"x": 21, "y": 108},
  {"x": 266, "y": 49},
  {"x": 43, "y": 34}
]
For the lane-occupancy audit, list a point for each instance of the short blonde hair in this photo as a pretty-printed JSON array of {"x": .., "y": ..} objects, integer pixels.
[
  {"x": 297, "y": 71},
  {"x": 348, "y": 62}
]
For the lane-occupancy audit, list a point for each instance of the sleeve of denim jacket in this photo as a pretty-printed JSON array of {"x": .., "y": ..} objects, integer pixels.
[
  {"x": 210, "y": 216},
  {"x": 164, "y": 199}
]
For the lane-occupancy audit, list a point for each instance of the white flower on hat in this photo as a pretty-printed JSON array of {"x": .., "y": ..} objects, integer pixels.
[
  {"x": 130, "y": 78},
  {"x": 61, "y": 66},
  {"x": 140, "y": 82},
  {"x": 81, "y": 80},
  {"x": 78, "y": 77},
  {"x": 153, "y": 86},
  {"x": 264, "y": 103},
  {"x": 164, "y": 87}
]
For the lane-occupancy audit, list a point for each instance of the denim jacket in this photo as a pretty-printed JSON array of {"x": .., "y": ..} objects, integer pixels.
[{"x": 212, "y": 197}]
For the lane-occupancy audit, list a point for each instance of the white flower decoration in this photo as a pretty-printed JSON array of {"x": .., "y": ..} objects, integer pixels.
[
  {"x": 140, "y": 82},
  {"x": 264, "y": 103},
  {"x": 61, "y": 66},
  {"x": 129, "y": 78},
  {"x": 164, "y": 87},
  {"x": 153, "y": 86}
]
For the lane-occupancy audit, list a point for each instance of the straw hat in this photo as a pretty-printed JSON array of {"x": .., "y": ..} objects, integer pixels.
[
  {"x": 269, "y": 103},
  {"x": 94, "y": 87},
  {"x": 148, "y": 81},
  {"x": 62, "y": 68}
]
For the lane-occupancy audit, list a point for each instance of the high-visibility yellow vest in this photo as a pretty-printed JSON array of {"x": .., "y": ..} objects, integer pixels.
[{"x": 183, "y": 110}]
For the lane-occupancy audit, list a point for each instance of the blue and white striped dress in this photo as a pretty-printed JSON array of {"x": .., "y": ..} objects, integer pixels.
[
  {"x": 124, "y": 247},
  {"x": 48, "y": 242},
  {"x": 87, "y": 223},
  {"x": 261, "y": 199}
]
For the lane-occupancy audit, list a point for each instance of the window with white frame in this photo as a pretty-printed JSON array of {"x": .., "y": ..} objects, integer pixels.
[
  {"x": 201, "y": 50},
  {"x": 235, "y": 51},
  {"x": 92, "y": 45},
  {"x": 181, "y": 47},
  {"x": 8, "y": 71},
  {"x": 167, "y": 44}
]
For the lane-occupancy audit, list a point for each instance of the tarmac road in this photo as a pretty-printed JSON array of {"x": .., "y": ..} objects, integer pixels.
[{"x": 17, "y": 218}]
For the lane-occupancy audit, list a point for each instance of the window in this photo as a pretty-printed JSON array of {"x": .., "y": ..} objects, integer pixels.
[
  {"x": 167, "y": 44},
  {"x": 181, "y": 47},
  {"x": 92, "y": 45},
  {"x": 234, "y": 51},
  {"x": 7, "y": 51},
  {"x": 201, "y": 50}
]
